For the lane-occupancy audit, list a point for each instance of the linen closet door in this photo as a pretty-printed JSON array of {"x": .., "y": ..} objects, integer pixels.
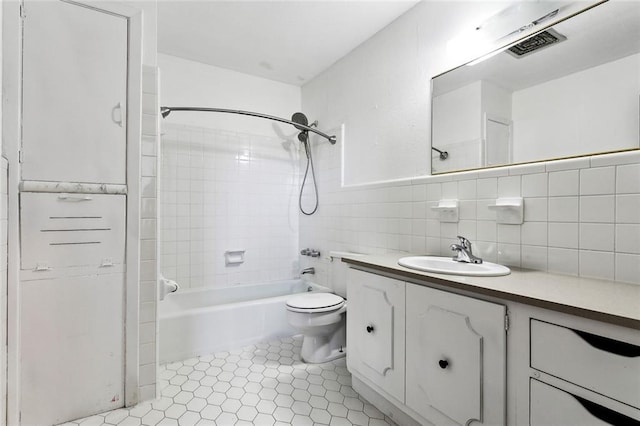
[
  {"x": 72, "y": 274},
  {"x": 74, "y": 94}
]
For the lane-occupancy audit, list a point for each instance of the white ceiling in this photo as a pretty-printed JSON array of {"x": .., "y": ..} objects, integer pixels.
[
  {"x": 600, "y": 35},
  {"x": 289, "y": 41}
]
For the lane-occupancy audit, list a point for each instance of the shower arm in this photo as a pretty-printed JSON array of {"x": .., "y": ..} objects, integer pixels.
[{"x": 165, "y": 111}]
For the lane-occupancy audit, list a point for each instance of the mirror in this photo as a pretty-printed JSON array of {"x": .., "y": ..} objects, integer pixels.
[{"x": 573, "y": 91}]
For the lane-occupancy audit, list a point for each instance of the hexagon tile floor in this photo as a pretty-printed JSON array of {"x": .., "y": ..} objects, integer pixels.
[{"x": 261, "y": 384}]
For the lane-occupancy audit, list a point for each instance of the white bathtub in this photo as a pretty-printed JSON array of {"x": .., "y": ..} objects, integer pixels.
[{"x": 197, "y": 322}]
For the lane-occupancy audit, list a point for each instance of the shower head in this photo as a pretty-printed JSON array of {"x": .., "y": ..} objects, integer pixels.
[
  {"x": 300, "y": 118},
  {"x": 164, "y": 111}
]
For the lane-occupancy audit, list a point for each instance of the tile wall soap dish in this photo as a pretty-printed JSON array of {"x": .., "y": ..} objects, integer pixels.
[
  {"x": 447, "y": 210},
  {"x": 509, "y": 210}
]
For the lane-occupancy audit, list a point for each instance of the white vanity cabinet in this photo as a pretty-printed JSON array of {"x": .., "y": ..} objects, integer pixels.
[
  {"x": 456, "y": 357},
  {"x": 572, "y": 361},
  {"x": 439, "y": 356},
  {"x": 375, "y": 330},
  {"x": 75, "y": 62}
]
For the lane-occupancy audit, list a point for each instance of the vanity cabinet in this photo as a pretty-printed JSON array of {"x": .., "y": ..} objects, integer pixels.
[
  {"x": 446, "y": 351},
  {"x": 572, "y": 361},
  {"x": 456, "y": 357},
  {"x": 375, "y": 330}
]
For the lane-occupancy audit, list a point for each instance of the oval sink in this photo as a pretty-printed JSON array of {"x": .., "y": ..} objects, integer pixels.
[{"x": 446, "y": 265}]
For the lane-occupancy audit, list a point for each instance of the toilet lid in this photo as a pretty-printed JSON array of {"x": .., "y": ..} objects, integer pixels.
[{"x": 315, "y": 302}]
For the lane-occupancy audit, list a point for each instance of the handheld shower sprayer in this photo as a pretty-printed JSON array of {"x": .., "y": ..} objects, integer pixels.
[{"x": 303, "y": 137}]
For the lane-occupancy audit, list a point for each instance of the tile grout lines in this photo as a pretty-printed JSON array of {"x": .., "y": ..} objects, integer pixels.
[{"x": 262, "y": 384}]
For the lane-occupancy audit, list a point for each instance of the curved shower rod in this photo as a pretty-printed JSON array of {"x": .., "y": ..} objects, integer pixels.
[{"x": 165, "y": 111}]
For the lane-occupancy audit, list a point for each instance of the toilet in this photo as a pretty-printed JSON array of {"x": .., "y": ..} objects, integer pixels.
[{"x": 321, "y": 317}]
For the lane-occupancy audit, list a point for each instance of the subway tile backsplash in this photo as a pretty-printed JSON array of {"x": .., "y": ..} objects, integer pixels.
[{"x": 580, "y": 215}]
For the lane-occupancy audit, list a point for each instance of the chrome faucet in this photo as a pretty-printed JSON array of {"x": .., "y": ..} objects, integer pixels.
[
  {"x": 308, "y": 271},
  {"x": 463, "y": 251}
]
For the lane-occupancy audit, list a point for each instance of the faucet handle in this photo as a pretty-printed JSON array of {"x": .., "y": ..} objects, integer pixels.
[{"x": 464, "y": 242}]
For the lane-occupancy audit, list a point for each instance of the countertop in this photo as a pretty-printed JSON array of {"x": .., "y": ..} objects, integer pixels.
[{"x": 608, "y": 301}]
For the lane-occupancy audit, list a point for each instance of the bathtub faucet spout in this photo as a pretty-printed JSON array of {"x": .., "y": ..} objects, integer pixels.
[{"x": 308, "y": 271}]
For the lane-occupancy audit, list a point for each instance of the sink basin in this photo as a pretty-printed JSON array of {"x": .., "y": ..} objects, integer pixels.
[{"x": 446, "y": 265}]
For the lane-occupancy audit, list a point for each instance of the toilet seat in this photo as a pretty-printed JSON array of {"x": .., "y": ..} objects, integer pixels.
[{"x": 315, "y": 302}]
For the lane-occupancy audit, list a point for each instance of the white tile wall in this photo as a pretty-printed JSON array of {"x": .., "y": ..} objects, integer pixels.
[
  {"x": 148, "y": 235},
  {"x": 224, "y": 191},
  {"x": 581, "y": 215}
]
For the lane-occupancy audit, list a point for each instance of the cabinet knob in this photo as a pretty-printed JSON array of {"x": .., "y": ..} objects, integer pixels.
[
  {"x": 369, "y": 329},
  {"x": 443, "y": 363}
]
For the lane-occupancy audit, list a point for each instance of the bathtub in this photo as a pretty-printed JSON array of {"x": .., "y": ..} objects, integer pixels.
[{"x": 197, "y": 322}]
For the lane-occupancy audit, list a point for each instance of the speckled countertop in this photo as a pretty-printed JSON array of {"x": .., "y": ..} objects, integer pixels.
[{"x": 609, "y": 301}]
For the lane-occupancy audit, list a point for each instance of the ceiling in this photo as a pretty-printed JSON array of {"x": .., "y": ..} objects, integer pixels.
[
  {"x": 590, "y": 42},
  {"x": 288, "y": 41}
]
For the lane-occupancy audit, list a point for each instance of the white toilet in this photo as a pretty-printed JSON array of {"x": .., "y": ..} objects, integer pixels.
[{"x": 321, "y": 317}]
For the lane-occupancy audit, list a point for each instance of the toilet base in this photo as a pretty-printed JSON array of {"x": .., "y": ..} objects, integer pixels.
[
  {"x": 317, "y": 353},
  {"x": 320, "y": 348}
]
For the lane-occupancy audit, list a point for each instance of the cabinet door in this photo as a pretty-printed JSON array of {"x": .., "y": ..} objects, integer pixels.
[
  {"x": 74, "y": 94},
  {"x": 72, "y": 347},
  {"x": 375, "y": 330},
  {"x": 456, "y": 348}
]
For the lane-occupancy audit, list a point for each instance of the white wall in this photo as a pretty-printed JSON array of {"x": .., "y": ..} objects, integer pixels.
[
  {"x": 227, "y": 182},
  {"x": 380, "y": 91},
  {"x": 189, "y": 83},
  {"x": 580, "y": 215},
  {"x": 591, "y": 111}
]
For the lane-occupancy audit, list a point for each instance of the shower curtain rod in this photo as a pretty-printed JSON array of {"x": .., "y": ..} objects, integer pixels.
[{"x": 165, "y": 111}]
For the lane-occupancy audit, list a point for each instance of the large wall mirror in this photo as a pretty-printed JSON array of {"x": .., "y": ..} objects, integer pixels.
[{"x": 571, "y": 89}]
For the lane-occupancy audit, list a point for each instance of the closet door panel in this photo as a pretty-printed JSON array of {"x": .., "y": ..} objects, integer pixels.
[
  {"x": 72, "y": 357},
  {"x": 74, "y": 94}
]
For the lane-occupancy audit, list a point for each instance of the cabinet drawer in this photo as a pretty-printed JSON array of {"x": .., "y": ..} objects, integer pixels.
[
  {"x": 606, "y": 366},
  {"x": 64, "y": 230},
  {"x": 551, "y": 406}
]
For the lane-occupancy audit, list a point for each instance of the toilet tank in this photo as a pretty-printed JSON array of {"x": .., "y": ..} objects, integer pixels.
[{"x": 338, "y": 272}]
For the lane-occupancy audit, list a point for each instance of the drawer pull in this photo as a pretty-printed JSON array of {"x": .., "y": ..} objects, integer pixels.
[
  {"x": 610, "y": 345},
  {"x": 605, "y": 414},
  {"x": 67, "y": 197},
  {"x": 370, "y": 329},
  {"x": 443, "y": 363}
]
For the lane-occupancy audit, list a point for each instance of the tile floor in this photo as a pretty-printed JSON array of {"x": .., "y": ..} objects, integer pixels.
[{"x": 261, "y": 384}]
